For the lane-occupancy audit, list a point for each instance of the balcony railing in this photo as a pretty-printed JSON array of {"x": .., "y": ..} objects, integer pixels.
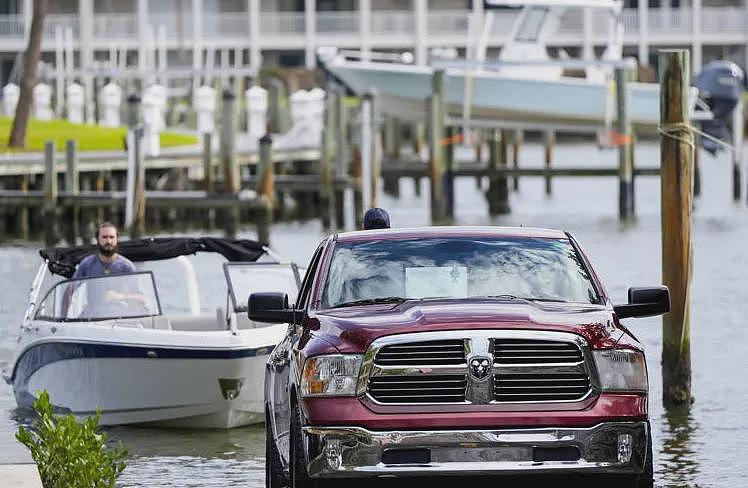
[
  {"x": 674, "y": 21},
  {"x": 448, "y": 22},
  {"x": 338, "y": 23},
  {"x": 393, "y": 22},
  {"x": 54, "y": 21},
  {"x": 724, "y": 19},
  {"x": 282, "y": 23},
  {"x": 12, "y": 26},
  {"x": 675, "y": 24},
  {"x": 227, "y": 24},
  {"x": 115, "y": 26},
  {"x": 178, "y": 25}
]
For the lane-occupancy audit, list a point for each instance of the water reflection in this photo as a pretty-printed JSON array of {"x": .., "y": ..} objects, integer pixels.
[{"x": 678, "y": 467}]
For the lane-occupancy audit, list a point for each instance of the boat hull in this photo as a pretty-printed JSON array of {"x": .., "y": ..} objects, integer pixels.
[
  {"x": 185, "y": 387},
  {"x": 403, "y": 91}
]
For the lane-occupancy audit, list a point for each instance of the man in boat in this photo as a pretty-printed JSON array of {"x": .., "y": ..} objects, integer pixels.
[
  {"x": 376, "y": 218},
  {"x": 102, "y": 293},
  {"x": 106, "y": 261}
]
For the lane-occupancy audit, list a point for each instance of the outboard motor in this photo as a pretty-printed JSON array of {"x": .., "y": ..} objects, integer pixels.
[{"x": 721, "y": 84}]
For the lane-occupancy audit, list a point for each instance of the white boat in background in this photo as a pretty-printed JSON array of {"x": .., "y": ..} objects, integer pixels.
[
  {"x": 524, "y": 88},
  {"x": 119, "y": 344}
]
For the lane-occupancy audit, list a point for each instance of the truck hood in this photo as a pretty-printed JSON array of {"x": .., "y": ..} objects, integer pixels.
[{"x": 353, "y": 329}]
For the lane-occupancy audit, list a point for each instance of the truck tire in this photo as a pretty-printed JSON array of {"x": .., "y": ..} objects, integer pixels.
[
  {"x": 274, "y": 476},
  {"x": 298, "y": 474},
  {"x": 646, "y": 478}
]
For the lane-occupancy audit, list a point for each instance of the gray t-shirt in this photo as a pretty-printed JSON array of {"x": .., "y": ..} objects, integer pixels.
[{"x": 91, "y": 267}]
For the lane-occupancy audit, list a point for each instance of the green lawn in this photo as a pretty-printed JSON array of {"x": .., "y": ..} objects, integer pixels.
[{"x": 89, "y": 137}]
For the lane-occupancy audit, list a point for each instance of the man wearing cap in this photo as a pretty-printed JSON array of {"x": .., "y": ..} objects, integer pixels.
[{"x": 376, "y": 218}]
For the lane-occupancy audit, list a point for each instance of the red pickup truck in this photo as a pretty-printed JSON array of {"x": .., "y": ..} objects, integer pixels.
[{"x": 455, "y": 351}]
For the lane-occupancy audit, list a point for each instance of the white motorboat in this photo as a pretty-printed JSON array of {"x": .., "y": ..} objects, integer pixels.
[
  {"x": 149, "y": 347},
  {"x": 523, "y": 88}
]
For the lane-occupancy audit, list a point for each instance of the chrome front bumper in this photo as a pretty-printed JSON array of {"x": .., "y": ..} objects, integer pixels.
[{"x": 344, "y": 452}]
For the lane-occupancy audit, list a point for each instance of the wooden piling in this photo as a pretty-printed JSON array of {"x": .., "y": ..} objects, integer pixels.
[
  {"x": 419, "y": 136},
  {"x": 516, "y": 146},
  {"x": 265, "y": 188},
  {"x": 737, "y": 152},
  {"x": 50, "y": 194},
  {"x": 135, "y": 211},
  {"x": 498, "y": 188},
  {"x": 342, "y": 152},
  {"x": 208, "y": 162},
  {"x": 436, "y": 148},
  {"x": 72, "y": 186},
  {"x": 327, "y": 155},
  {"x": 549, "y": 140},
  {"x": 696, "y": 164},
  {"x": 23, "y": 214},
  {"x": 624, "y": 141},
  {"x": 449, "y": 173},
  {"x": 277, "y": 106},
  {"x": 231, "y": 181},
  {"x": 368, "y": 141},
  {"x": 358, "y": 194},
  {"x": 133, "y": 109},
  {"x": 676, "y": 159}
]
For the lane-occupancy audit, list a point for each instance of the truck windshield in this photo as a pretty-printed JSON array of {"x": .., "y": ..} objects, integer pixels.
[{"x": 461, "y": 267}]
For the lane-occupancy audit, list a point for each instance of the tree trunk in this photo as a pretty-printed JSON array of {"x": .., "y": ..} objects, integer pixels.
[{"x": 30, "y": 63}]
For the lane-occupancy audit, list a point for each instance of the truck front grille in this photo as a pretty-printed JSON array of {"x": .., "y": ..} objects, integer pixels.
[
  {"x": 545, "y": 387},
  {"x": 526, "y": 351},
  {"x": 418, "y": 389},
  {"x": 422, "y": 353},
  {"x": 529, "y": 370},
  {"x": 444, "y": 368}
]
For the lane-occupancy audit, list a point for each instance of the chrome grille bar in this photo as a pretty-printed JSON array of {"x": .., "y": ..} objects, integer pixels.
[{"x": 444, "y": 352}]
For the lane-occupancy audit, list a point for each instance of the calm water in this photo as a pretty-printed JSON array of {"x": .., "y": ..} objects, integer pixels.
[{"x": 697, "y": 448}]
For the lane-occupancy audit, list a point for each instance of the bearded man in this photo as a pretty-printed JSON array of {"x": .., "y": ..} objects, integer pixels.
[{"x": 106, "y": 261}]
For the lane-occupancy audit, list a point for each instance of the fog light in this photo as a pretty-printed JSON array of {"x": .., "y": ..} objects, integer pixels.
[
  {"x": 625, "y": 447},
  {"x": 333, "y": 453}
]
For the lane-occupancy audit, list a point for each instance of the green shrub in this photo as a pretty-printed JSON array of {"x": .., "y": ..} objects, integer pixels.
[{"x": 70, "y": 454}]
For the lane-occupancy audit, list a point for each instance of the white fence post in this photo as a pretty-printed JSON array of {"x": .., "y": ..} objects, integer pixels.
[
  {"x": 11, "y": 92},
  {"x": 111, "y": 101},
  {"x": 256, "y": 99},
  {"x": 42, "y": 102},
  {"x": 205, "y": 106},
  {"x": 75, "y": 100}
]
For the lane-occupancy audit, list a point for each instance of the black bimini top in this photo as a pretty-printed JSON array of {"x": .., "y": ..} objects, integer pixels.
[{"x": 63, "y": 260}]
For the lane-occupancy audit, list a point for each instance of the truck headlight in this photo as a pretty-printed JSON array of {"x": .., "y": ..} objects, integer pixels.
[
  {"x": 331, "y": 375},
  {"x": 621, "y": 370}
]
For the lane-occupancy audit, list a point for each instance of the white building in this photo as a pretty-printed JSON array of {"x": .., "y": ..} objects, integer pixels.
[{"x": 287, "y": 32}]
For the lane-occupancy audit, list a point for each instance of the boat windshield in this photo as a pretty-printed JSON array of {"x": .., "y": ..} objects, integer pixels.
[
  {"x": 117, "y": 296},
  {"x": 246, "y": 278},
  {"x": 541, "y": 269}
]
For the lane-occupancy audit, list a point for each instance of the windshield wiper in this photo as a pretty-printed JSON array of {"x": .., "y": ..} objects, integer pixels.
[
  {"x": 501, "y": 297},
  {"x": 515, "y": 297},
  {"x": 371, "y": 301}
]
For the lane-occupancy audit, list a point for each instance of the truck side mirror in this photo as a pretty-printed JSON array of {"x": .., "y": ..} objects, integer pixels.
[
  {"x": 270, "y": 307},
  {"x": 645, "y": 302}
]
